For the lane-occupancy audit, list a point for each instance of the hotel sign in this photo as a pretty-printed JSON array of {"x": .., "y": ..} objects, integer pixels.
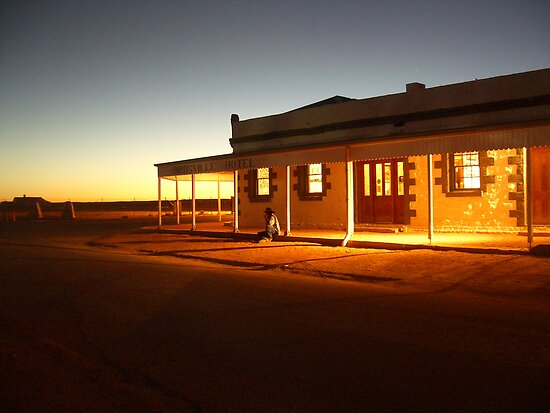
[
  {"x": 205, "y": 166},
  {"x": 226, "y": 163}
]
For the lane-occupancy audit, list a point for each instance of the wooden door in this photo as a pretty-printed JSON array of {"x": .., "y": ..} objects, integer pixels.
[{"x": 380, "y": 191}]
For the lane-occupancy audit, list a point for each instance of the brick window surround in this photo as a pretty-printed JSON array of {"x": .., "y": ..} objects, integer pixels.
[
  {"x": 446, "y": 180},
  {"x": 251, "y": 179},
  {"x": 302, "y": 186}
]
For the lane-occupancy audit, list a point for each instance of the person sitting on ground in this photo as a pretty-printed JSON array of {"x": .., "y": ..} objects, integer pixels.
[{"x": 272, "y": 227}]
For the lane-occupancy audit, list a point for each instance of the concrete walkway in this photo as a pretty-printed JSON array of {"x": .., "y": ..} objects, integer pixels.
[{"x": 504, "y": 243}]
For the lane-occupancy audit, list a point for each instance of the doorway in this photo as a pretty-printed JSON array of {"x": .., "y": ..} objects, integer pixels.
[{"x": 380, "y": 191}]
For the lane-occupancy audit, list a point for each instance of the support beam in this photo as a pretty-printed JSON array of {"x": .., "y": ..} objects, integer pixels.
[
  {"x": 430, "y": 199},
  {"x": 219, "y": 201},
  {"x": 177, "y": 202},
  {"x": 236, "y": 201},
  {"x": 349, "y": 203},
  {"x": 160, "y": 202},
  {"x": 288, "y": 193},
  {"x": 528, "y": 195},
  {"x": 193, "y": 206}
]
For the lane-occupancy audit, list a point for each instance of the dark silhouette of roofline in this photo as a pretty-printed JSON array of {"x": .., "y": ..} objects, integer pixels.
[{"x": 329, "y": 101}]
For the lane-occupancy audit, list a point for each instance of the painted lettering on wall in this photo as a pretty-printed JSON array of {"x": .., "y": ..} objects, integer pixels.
[
  {"x": 208, "y": 167},
  {"x": 235, "y": 164},
  {"x": 195, "y": 168}
]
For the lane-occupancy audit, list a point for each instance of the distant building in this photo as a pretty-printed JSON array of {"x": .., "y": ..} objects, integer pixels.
[
  {"x": 29, "y": 202},
  {"x": 472, "y": 156}
]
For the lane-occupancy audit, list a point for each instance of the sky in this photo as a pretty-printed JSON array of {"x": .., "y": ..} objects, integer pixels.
[{"x": 94, "y": 93}]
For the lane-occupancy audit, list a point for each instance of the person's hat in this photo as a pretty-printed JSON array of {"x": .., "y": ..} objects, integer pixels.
[{"x": 269, "y": 210}]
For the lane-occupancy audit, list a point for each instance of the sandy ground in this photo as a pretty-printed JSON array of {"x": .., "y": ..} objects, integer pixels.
[
  {"x": 73, "y": 332},
  {"x": 506, "y": 274}
]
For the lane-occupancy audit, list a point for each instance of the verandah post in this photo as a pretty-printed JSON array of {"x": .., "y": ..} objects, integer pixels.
[
  {"x": 528, "y": 195},
  {"x": 193, "y": 206},
  {"x": 219, "y": 201},
  {"x": 349, "y": 201},
  {"x": 430, "y": 199},
  {"x": 160, "y": 202},
  {"x": 288, "y": 193},
  {"x": 177, "y": 202},
  {"x": 236, "y": 201}
]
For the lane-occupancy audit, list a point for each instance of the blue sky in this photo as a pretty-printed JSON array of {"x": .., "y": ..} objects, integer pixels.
[{"x": 93, "y": 93}]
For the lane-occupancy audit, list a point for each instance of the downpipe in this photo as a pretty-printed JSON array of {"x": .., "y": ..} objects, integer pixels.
[{"x": 347, "y": 237}]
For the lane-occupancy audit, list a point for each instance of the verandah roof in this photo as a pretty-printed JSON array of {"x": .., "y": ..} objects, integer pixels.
[
  {"x": 453, "y": 143},
  {"x": 358, "y": 149}
]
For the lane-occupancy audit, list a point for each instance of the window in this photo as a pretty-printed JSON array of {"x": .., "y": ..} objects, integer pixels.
[
  {"x": 387, "y": 179},
  {"x": 262, "y": 181},
  {"x": 312, "y": 181},
  {"x": 400, "y": 179},
  {"x": 464, "y": 174},
  {"x": 260, "y": 185},
  {"x": 315, "y": 178},
  {"x": 366, "y": 179},
  {"x": 378, "y": 179},
  {"x": 464, "y": 171}
]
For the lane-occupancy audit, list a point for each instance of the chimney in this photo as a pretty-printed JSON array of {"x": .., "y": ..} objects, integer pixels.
[{"x": 415, "y": 87}]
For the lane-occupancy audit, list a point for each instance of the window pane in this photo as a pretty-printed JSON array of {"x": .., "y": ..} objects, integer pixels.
[
  {"x": 315, "y": 178},
  {"x": 263, "y": 181},
  {"x": 387, "y": 179},
  {"x": 470, "y": 183},
  {"x": 315, "y": 169},
  {"x": 400, "y": 179},
  {"x": 378, "y": 179},
  {"x": 315, "y": 186},
  {"x": 366, "y": 178},
  {"x": 459, "y": 178},
  {"x": 471, "y": 158},
  {"x": 263, "y": 186},
  {"x": 466, "y": 170},
  {"x": 263, "y": 173}
]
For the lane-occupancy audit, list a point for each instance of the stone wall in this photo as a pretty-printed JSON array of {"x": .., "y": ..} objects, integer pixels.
[{"x": 497, "y": 207}]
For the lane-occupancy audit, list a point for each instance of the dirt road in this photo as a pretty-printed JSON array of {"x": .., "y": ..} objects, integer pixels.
[{"x": 95, "y": 317}]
